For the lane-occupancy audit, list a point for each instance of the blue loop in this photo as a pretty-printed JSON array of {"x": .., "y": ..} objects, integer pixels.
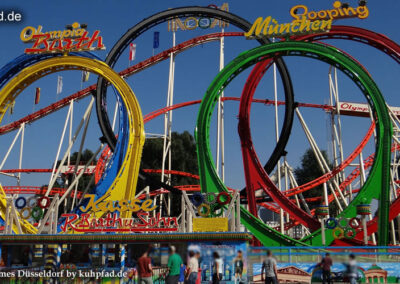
[
  {"x": 17, "y": 202},
  {"x": 329, "y": 225},
  {"x": 197, "y": 199}
]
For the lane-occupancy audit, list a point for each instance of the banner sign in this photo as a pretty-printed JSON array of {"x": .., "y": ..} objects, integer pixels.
[
  {"x": 360, "y": 109},
  {"x": 84, "y": 223},
  {"x": 305, "y": 21},
  {"x": 112, "y": 222},
  {"x": 66, "y": 170},
  {"x": 210, "y": 224},
  {"x": 74, "y": 38}
]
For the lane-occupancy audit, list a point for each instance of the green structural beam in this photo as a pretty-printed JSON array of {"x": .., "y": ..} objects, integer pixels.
[{"x": 376, "y": 186}]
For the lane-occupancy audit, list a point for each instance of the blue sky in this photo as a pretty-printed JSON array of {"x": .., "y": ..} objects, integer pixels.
[{"x": 195, "y": 69}]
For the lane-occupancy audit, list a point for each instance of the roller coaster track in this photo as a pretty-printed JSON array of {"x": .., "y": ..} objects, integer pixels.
[
  {"x": 106, "y": 153},
  {"x": 307, "y": 186},
  {"x": 372, "y": 224},
  {"x": 124, "y": 185},
  {"x": 125, "y": 73},
  {"x": 379, "y": 175},
  {"x": 129, "y": 71},
  {"x": 6, "y": 73},
  {"x": 37, "y": 190},
  {"x": 195, "y": 11},
  {"x": 256, "y": 177}
]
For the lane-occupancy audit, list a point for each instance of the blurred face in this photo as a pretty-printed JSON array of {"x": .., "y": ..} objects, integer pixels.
[{"x": 239, "y": 254}]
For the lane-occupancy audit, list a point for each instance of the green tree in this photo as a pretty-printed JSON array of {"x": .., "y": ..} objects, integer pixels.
[
  {"x": 310, "y": 170},
  {"x": 85, "y": 179},
  {"x": 184, "y": 159}
]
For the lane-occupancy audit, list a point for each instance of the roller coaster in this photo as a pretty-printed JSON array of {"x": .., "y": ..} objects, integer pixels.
[{"x": 272, "y": 187}]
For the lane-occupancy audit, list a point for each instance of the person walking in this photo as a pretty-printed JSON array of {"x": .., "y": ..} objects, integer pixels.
[
  {"x": 326, "y": 264},
  {"x": 269, "y": 266},
  {"x": 218, "y": 268},
  {"x": 352, "y": 269},
  {"x": 174, "y": 266},
  {"x": 192, "y": 268},
  {"x": 145, "y": 270},
  {"x": 238, "y": 265}
]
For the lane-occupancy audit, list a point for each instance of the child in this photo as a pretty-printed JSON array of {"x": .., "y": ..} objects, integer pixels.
[{"x": 182, "y": 274}]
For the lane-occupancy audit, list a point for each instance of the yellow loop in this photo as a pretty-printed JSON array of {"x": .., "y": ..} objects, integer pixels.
[
  {"x": 206, "y": 207},
  {"x": 124, "y": 186},
  {"x": 341, "y": 233},
  {"x": 29, "y": 209}
]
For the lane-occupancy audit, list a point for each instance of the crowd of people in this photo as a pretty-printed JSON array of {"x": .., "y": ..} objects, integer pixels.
[
  {"x": 269, "y": 271},
  {"x": 350, "y": 273},
  {"x": 179, "y": 273}
]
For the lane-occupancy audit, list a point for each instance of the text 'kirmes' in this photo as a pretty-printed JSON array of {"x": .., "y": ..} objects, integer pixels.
[
  {"x": 74, "y": 38},
  {"x": 305, "y": 21}
]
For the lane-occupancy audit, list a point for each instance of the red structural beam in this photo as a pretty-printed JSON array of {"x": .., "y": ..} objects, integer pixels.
[{"x": 36, "y": 190}]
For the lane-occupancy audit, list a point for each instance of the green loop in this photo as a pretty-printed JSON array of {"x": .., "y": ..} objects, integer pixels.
[
  {"x": 37, "y": 213},
  {"x": 346, "y": 233},
  {"x": 217, "y": 210}
]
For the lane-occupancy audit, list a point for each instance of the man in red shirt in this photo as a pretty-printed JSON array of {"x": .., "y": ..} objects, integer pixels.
[
  {"x": 326, "y": 264},
  {"x": 145, "y": 269}
]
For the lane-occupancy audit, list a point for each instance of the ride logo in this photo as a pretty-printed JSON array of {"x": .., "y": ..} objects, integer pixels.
[
  {"x": 75, "y": 38},
  {"x": 85, "y": 223}
]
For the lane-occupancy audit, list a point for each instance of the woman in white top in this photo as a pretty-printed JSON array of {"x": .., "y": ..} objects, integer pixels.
[
  {"x": 192, "y": 269},
  {"x": 218, "y": 268}
]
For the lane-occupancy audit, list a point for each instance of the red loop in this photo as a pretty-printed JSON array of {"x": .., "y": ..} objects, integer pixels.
[
  {"x": 40, "y": 204},
  {"x": 228, "y": 198}
]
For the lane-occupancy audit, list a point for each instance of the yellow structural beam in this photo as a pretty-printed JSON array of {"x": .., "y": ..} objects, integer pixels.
[{"x": 124, "y": 186}]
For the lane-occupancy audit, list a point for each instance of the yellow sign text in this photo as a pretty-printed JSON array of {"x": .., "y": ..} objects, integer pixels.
[
  {"x": 269, "y": 27},
  {"x": 339, "y": 11},
  {"x": 103, "y": 205}
]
